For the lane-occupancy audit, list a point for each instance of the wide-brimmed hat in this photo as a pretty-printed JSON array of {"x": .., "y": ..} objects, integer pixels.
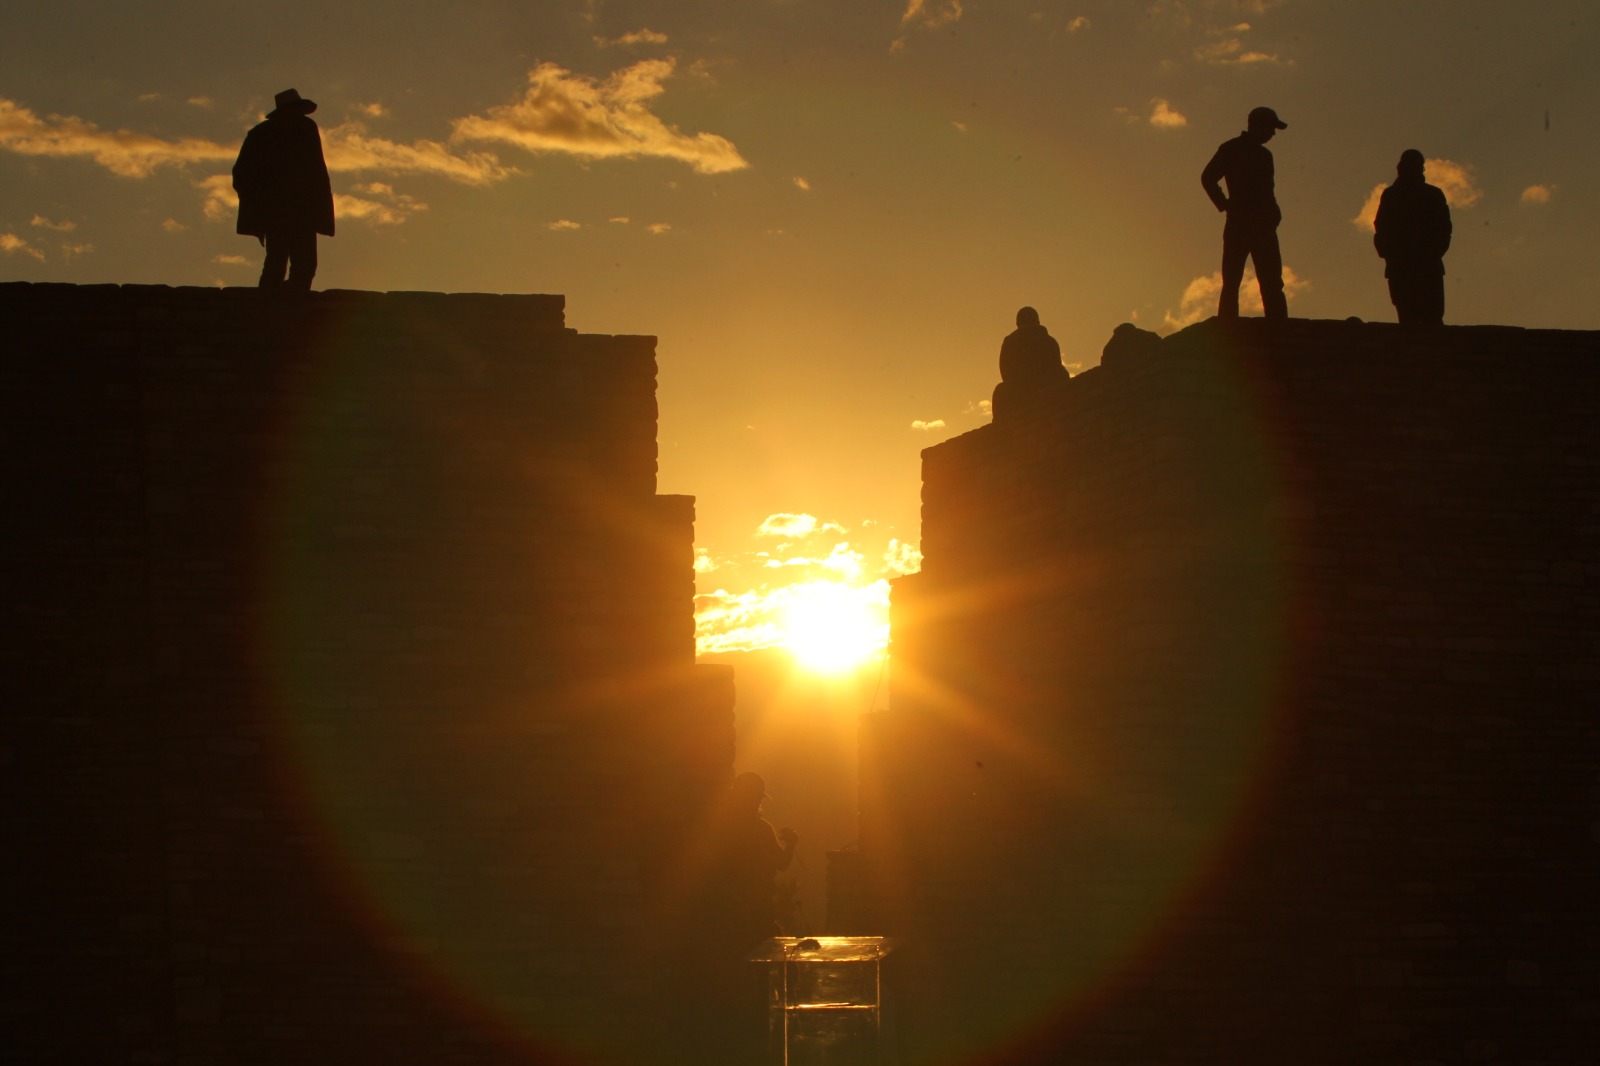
[{"x": 290, "y": 101}]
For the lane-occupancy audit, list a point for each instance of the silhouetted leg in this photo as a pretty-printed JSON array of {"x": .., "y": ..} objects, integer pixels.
[
  {"x": 302, "y": 259},
  {"x": 1235, "y": 250},
  {"x": 1418, "y": 297},
  {"x": 1269, "y": 273},
  {"x": 1430, "y": 299},
  {"x": 1400, "y": 295},
  {"x": 276, "y": 261}
]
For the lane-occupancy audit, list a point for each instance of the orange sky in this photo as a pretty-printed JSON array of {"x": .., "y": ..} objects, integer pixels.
[{"x": 827, "y": 210}]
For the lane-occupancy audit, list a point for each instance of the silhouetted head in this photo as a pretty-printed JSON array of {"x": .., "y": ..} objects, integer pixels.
[
  {"x": 1027, "y": 316},
  {"x": 1263, "y": 123},
  {"x": 748, "y": 791},
  {"x": 1410, "y": 165},
  {"x": 289, "y": 102}
]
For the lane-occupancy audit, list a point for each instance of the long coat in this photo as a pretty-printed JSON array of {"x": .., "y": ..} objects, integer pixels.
[
  {"x": 281, "y": 178},
  {"x": 1412, "y": 228}
]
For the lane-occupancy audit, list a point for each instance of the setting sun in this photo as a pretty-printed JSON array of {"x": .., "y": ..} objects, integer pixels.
[{"x": 830, "y": 627}]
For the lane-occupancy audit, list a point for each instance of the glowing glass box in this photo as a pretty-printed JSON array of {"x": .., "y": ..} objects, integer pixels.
[{"x": 825, "y": 1003}]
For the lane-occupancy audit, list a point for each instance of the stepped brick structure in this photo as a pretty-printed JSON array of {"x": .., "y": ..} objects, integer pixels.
[
  {"x": 351, "y": 691},
  {"x": 1245, "y": 709}
]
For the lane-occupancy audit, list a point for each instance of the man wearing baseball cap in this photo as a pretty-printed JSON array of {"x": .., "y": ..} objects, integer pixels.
[
  {"x": 285, "y": 198},
  {"x": 1251, "y": 230}
]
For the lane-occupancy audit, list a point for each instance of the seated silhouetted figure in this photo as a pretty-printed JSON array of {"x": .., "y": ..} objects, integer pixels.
[
  {"x": 285, "y": 198},
  {"x": 1031, "y": 374},
  {"x": 1251, "y": 231},
  {"x": 1412, "y": 233}
]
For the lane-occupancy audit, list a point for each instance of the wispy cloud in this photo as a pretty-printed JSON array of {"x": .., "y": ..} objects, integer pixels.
[
  {"x": 598, "y": 119},
  {"x": 1079, "y": 24},
  {"x": 11, "y": 244},
  {"x": 931, "y": 14},
  {"x": 927, "y": 426},
  {"x": 60, "y": 227},
  {"x": 122, "y": 152},
  {"x": 627, "y": 40},
  {"x": 802, "y": 184},
  {"x": 381, "y": 205},
  {"x": 563, "y": 224},
  {"x": 784, "y": 524},
  {"x": 1199, "y": 300},
  {"x": 230, "y": 260},
  {"x": 348, "y": 148},
  {"x": 658, "y": 228},
  {"x": 1457, "y": 181},
  {"x": 172, "y": 225},
  {"x": 1538, "y": 194}
]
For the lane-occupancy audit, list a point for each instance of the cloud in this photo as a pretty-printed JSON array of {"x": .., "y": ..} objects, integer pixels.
[
  {"x": 645, "y": 36},
  {"x": 1162, "y": 115},
  {"x": 172, "y": 225},
  {"x": 703, "y": 563},
  {"x": 784, "y": 524},
  {"x": 230, "y": 260},
  {"x": 1200, "y": 297},
  {"x": 1079, "y": 24},
  {"x": 592, "y": 119},
  {"x": 372, "y": 110},
  {"x": 621, "y": 220},
  {"x": 802, "y": 184},
  {"x": 902, "y": 558},
  {"x": 659, "y": 228},
  {"x": 11, "y": 244},
  {"x": 348, "y": 149},
  {"x": 563, "y": 224},
  {"x": 389, "y": 209},
  {"x": 1230, "y": 51},
  {"x": 218, "y": 200},
  {"x": 937, "y": 423},
  {"x": 72, "y": 251},
  {"x": 60, "y": 227},
  {"x": 1538, "y": 194},
  {"x": 1456, "y": 180},
  {"x": 122, "y": 152},
  {"x": 931, "y": 14},
  {"x": 202, "y": 102}
]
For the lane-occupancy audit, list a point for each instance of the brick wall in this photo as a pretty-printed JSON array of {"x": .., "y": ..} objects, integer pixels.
[
  {"x": 1244, "y": 709},
  {"x": 354, "y": 713}
]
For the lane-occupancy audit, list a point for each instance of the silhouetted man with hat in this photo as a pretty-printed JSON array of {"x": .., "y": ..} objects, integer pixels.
[
  {"x": 1253, "y": 216},
  {"x": 1412, "y": 233},
  {"x": 285, "y": 198}
]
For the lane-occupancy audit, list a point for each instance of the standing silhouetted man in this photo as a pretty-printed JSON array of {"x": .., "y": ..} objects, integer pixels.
[
  {"x": 1253, "y": 216},
  {"x": 285, "y": 198},
  {"x": 1412, "y": 233}
]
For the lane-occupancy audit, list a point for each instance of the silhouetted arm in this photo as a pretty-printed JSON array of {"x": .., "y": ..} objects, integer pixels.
[
  {"x": 1380, "y": 227},
  {"x": 1442, "y": 228},
  {"x": 1210, "y": 178}
]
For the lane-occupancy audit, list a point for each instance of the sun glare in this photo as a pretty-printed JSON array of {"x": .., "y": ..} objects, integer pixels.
[{"x": 830, "y": 627}]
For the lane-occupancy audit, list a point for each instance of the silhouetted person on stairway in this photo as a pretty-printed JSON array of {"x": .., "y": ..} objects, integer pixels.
[
  {"x": 285, "y": 198},
  {"x": 1253, "y": 216},
  {"x": 1031, "y": 374},
  {"x": 1412, "y": 233}
]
